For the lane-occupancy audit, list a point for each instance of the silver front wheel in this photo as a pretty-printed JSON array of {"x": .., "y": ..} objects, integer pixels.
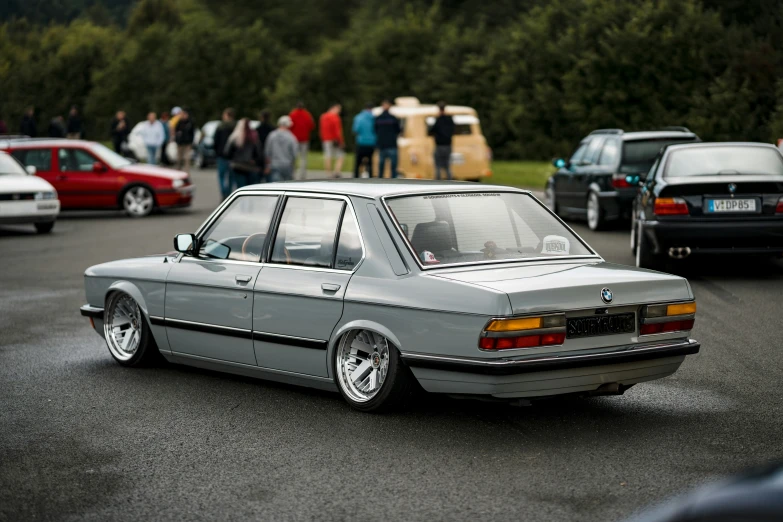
[
  {"x": 122, "y": 327},
  {"x": 362, "y": 364},
  {"x": 138, "y": 201},
  {"x": 593, "y": 212}
]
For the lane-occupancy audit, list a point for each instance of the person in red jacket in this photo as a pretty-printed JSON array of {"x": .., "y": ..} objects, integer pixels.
[
  {"x": 330, "y": 127},
  {"x": 303, "y": 126}
]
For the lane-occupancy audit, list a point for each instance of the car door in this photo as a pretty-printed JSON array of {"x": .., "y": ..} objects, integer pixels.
[
  {"x": 209, "y": 296},
  {"x": 566, "y": 192},
  {"x": 299, "y": 293},
  {"x": 41, "y": 159},
  {"x": 83, "y": 181},
  {"x": 585, "y": 173}
]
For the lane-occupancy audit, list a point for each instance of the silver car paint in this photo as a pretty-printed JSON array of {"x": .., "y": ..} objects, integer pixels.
[{"x": 435, "y": 312}]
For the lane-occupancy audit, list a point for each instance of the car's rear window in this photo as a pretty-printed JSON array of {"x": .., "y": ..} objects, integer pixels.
[
  {"x": 639, "y": 155},
  {"x": 478, "y": 227},
  {"x": 709, "y": 161}
]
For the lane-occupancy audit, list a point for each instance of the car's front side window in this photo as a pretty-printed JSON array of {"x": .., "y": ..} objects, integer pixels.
[
  {"x": 240, "y": 231},
  {"x": 307, "y": 231},
  {"x": 75, "y": 160}
]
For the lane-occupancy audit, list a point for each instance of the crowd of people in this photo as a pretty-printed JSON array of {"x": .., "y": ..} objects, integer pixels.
[{"x": 247, "y": 153}]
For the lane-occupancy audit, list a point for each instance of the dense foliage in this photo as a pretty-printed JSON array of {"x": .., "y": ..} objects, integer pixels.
[{"x": 540, "y": 73}]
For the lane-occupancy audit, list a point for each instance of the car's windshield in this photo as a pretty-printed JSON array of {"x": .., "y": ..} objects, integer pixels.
[
  {"x": 639, "y": 155},
  {"x": 477, "y": 227},
  {"x": 709, "y": 161},
  {"x": 110, "y": 157},
  {"x": 10, "y": 167}
]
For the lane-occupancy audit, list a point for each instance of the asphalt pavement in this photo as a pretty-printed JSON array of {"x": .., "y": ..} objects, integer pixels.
[{"x": 82, "y": 438}]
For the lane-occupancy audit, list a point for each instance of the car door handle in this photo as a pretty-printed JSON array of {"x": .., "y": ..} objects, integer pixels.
[
  {"x": 242, "y": 278},
  {"x": 329, "y": 287}
]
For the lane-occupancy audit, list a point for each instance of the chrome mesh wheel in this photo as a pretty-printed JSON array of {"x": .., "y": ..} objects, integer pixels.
[
  {"x": 122, "y": 326},
  {"x": 362, "y": 364},
  {"x": 138, "y": 201}
]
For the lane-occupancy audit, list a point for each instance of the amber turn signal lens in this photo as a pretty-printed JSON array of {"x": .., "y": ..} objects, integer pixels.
[
  {"x": 510, "y": 325},
  {"x": 681, "y": 309}
]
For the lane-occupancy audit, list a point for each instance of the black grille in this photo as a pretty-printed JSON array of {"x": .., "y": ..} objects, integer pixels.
[{"x": 19, "y": 196}]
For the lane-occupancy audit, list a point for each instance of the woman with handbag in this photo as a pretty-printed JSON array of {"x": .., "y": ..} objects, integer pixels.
[{"x": 246, "y": 154}]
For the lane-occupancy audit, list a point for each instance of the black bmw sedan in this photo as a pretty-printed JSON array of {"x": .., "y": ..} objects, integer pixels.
[{"x": 709, "y": 198}]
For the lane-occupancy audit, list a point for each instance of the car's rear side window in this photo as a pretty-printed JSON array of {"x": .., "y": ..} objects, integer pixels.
[
  {"x": 307, "y": 231},
  {"x": 41, "y": 159}
]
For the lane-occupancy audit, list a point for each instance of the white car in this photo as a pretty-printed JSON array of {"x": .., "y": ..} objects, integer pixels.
[
  {"x": 139, "y": 150},
  {"x": 24, "y": 197}
]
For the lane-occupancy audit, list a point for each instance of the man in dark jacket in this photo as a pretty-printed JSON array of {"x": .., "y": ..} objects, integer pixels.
[
  {"x": 184, "y": 133},
  {"x": 264, "y": 130},
  {"x": 74, "y": 127},
  {"x": 57, "y": 127},
  {"x": 222, "y": 158},
  {"x": 442, "y": 130},
  {"x": 120, "y": 128},
  {"x": 28, "y": 127},
  {"x": 387, "y": 130}
]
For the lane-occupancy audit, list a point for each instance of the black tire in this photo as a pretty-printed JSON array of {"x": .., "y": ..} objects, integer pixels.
[
  {"x": 397, "y": 389},
  {"x": 147, "y": 353},
  {"x": 644, "y": 254},
  {"x": 44, "y": 228},
  {"x": 599, "y": 221}
]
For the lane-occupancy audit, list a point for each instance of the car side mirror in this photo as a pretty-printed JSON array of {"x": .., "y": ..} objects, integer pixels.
[
  {"x": 560, "y": 163},
  {"x": 185, "y": 243},
  {"x": 98, "y": 167},
  {"x": 31, "y": 170}
]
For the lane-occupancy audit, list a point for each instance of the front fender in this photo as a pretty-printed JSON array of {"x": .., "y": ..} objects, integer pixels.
[{"x": 158, "y": 331}]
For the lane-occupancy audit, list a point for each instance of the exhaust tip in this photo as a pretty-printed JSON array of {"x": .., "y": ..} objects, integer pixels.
[{"x": 679, "y": 252}]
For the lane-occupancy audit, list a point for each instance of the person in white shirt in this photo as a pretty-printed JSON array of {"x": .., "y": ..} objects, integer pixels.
[{"x": 153, "y": 135}]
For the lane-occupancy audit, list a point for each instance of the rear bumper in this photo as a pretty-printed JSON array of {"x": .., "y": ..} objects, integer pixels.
[
  {"x": 749, "y": 237},
  {"x": 565, "y": 361},
  {"x": 617, "y": 204}
]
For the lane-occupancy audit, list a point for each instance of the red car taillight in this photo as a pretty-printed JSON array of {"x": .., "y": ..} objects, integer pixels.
[
  {"x": 676, "y": 317},
  {"x": 620, "y": 181},
  {"x": 523, "y": 332},
  {"x": 670, "y": 207},
  {"x": 779, "y": 207}
]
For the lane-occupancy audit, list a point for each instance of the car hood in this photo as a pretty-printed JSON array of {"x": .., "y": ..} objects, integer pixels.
[
  {"x": 547, "y": 287},
  {"x": 151, "y": 268},
  {"x": 16, "y": 184},
  {"x": 151, "y": 170}
]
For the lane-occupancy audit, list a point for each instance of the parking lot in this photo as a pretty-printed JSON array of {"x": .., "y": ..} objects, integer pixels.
[{"x": 84, "y": 438}]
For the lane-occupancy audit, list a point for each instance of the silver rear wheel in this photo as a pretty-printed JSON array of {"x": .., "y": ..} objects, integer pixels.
[
  {"x": 362, "y": 364},
  {"x": 594, "y": 219},
  {"x": 123, "y": 326},
  {"x": 138, "y": 201}
]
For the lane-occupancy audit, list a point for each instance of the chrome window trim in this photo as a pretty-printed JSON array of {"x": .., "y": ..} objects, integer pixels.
[
  {"x": 423, "y": 267},
  {"x": 319, "y": 195}
]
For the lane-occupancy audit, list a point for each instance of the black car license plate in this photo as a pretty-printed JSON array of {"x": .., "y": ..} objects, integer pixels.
[{"x": 600, "y": 325}]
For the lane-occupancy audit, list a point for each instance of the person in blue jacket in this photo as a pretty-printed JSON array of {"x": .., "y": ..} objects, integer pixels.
[{"x": 364, "y": 128}]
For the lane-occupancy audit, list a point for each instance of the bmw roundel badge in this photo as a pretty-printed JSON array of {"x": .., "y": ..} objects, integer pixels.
[
  {"x": 606, "y": 295},
  {"x": 732, "y": 188}
]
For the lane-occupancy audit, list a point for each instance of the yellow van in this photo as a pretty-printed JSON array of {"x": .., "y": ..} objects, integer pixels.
[{"x": 470, "y": 155}]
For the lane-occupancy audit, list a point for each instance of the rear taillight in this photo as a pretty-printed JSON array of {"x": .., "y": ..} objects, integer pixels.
[
  {"x": 523, "y": 332},
  {"x": 670, "y": 207},
  {"x": 779, "y": 207},
  {"x": 620, "y": 181},
  {"x": 664, "y": 318}
]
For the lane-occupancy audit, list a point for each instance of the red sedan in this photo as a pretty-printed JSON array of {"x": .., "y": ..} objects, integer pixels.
[{"x": 88, "y": 175}]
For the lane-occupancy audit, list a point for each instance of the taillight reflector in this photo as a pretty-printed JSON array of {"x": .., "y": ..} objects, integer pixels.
[
  {"x": 620, "y": 181},
  {"x": 671, "y": 326},
  {"x": 522, "y": 341},
  {"x": 670, "y": 207}
]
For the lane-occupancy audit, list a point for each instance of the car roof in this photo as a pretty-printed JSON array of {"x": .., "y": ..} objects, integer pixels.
[
  {"x": 40, "y": 142},
  {"x": 377, "y": 188},
  {"x": 714, "y": 144}
]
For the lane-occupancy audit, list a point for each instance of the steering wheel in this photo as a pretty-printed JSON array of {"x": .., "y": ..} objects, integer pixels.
[{"x": 246, "y": 242}]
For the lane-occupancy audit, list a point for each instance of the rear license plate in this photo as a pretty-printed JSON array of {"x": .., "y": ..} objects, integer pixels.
[
  {"x": 731, "y": 205},
  {"x": 600, "y": 325}
]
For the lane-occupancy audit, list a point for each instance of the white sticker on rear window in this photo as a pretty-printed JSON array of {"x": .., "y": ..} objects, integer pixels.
[{"x": 556, "y": 246}]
